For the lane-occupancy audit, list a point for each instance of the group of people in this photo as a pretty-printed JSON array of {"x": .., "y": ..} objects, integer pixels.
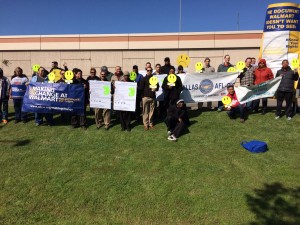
[{"x": 172, "y": 109}]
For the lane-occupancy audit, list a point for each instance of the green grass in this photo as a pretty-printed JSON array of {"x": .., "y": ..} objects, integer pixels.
[{"x": 59, "y": 175}]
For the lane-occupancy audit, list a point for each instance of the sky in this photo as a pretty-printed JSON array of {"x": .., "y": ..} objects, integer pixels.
[{"x": 40, "y": 17}]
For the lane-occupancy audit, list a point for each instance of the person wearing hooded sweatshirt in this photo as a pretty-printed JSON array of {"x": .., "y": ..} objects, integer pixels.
[
  {"x": 4, "y": 97},
  {"x": 286, "y": 89},
  {"x": 262, "y": 74}
]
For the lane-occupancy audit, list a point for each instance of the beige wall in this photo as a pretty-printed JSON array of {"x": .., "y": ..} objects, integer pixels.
[{"x": 87, "y": 59}]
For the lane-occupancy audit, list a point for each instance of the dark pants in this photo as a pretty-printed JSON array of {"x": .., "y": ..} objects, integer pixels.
[
  {"x": 288, "y": 97},
  {"x": 237, "y": 110},
  {"x": 78, "y": 120},
  {"x": 264, "y": 104},
  {"x": 39, "y": 118},
  {"x": 138, "y": 108},
  {"x": 4, "y": 111},
  {"x": 220, "y": 105},
  {"x": 175, "y": 126},
  {"x": 19, "y": 115},
  {"x": 125, "y": 120}
]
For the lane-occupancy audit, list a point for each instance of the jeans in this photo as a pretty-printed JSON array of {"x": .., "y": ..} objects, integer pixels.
[
  {"x": 39, "y": 118},
  {"x": 237, "y": 110},
  {"x": 4, "y": 112},
  {"x": 264, "y": 104},
  {"x": 19, "y": 115},
  {"x": 175, "y": 126}
]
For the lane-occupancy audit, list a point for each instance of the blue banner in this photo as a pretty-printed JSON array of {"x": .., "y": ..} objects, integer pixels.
[
  {"x": 18, "y": 91},
  {"x": 54, "y": 98}
]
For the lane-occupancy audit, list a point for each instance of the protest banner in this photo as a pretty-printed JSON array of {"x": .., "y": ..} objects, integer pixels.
[
  {"x": 263, "y": 90},
  {"x": 18, "y": 91},
  {"x": 206, "y": 87},
  {"x": 54, "y": 98},
  {"x": 125, "y": 96},
  {"x": 281, "y": 34},
  {"x": 100, "y": 96}
]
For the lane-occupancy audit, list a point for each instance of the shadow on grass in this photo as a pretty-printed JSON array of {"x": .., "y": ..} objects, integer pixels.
[
  {"x": 16, "y": 143},
  {"x": 275, "y": 205}
]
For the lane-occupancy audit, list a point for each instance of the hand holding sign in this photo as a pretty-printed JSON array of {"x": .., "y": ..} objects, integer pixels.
[
  {"x": 172, "y": 79},
  {"x": 153, "y": 82},
  {"x": 198, "y": 67},
  {"x": 69, "y": 76}
]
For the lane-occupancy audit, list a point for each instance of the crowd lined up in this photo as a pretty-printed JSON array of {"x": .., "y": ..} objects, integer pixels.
[{"x": 172, "y": 109}]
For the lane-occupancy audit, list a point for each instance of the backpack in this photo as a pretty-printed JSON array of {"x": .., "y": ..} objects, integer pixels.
[{"x": 255, "y": 146}]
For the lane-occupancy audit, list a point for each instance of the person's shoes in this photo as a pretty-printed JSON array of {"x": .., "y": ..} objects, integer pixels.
[
  {"x": 169, "y": 132},
  {"x": 37, "y": 124},
  {"x": 289, "y": 118},
  {"x": 146, "y": 128},
  {"x": 263, "y": 112},
  {"x": 17, "y": 121},
  {"x": 4, "y": 121},
  {"x": 83, "y": 127},
  {"x": 128, "y": 130},
  {"x": 151, "y": 127},
  {"x": 172, "y": 138},
  {"x": 242, "y": 120},
  {"x": 219, "y": 110},
  {"x": 106, "y": 128},
  {"x": 277, "y": 117},
  {"x": 122, "y": 129}
]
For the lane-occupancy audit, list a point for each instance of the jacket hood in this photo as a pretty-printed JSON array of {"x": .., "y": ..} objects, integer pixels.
[{"x": 263, "y": 61}]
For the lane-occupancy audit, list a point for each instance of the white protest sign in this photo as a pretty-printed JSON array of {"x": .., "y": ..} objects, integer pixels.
[
  {"x": 100, "y": 96},
  {"x": 125, "y": 96}
]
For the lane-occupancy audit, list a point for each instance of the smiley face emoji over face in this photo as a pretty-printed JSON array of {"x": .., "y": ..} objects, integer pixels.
[
  {"x": 172, "y": 78},
  {"x": 51, "y": 76},
  {"x": 226, "y": 100},
  {"x": 295, "y": 63},
  {"x": 183, "y": 60},
  {"x": 240, "y": 65},
  {"x": 69, "y": 75},
  {"x": 153, "y": 81},
  {"x": 132, "y": 76},
  {"x": 198, "y": 66},
  {"x": 35, "y": 68},
  {"x": 231, "y": 70}
]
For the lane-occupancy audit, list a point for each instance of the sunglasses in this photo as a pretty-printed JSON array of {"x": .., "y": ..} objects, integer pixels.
[{"x": 149, "y": 70}]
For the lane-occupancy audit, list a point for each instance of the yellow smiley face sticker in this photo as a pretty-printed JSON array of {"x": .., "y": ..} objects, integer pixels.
[
  {"x": 57, "y": 74},
  {"x": 153, "y": 81},
  {"x": 183, "y": 60},
  {"x": 240, "y": 65},
  {"x": 295, "y": 63},
  {"x": 226, "y": 100},
  {"x": 231, "y": 70},
  {"x": 198, "y": 66},
  {"x": 35, "y": 68},
  {"x": 172, "y": 78},
  {"x": 51, "y": 76},
  {"x": 69, "y": 75},
  {"x": 132, "y": 76}
]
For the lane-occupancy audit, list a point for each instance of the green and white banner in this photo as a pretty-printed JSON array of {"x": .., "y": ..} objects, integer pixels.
[{"x": 263, "y": 90}]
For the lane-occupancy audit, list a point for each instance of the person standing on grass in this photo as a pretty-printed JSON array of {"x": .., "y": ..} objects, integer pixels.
[
  {"x": 148, "y": 99},
  {"x": 247, "y": 78},
  {"x": 41, "y": 77},
  {"x": 138, "y": 79},
  {"x": 262, "y": 74},
  {"x": 17, "y": 92},
  {"x": 102, "y": 116},
  {"x": 234, "y": 107},
  {"x": 177, "y": 120},
  {"x": 286, "y": 89},
  {"x": 223, "y": 68},
  {"x": 75, "y": 119},
  {"x": 4, "y": 97}
]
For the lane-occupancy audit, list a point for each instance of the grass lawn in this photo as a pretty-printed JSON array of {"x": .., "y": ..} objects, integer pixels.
[{"x": 60, "y": 175}]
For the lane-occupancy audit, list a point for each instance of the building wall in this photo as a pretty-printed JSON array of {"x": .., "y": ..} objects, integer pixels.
[{"x": 86, "y": 51}]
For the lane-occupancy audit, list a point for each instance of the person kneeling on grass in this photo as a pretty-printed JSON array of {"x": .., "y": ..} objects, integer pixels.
[
  {"x": 177, "y": 120},
  {"x": 234, "y": 107}
]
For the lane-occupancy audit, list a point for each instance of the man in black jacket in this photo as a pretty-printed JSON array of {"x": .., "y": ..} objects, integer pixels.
[
  {"x": 148, "y": 99},
  {"x": 166, "y": 68},
  {"x": 177, "y": 120},
  {"x": 286, "y": 89}
]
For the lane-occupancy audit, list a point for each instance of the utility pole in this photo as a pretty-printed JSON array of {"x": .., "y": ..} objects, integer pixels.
[
  {"x": 238, "y": 21},
  {"x": 179, "y": 16}
]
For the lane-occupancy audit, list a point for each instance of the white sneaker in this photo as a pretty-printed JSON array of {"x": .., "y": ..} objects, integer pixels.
[
  {"x": 169, "y": 132},
  {"x": 289, "y": 118},
  {"x": 172, "y": 138},
  {"x": 277, "y": 117}
]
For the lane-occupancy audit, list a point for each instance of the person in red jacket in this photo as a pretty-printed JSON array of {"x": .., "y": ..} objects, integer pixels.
[
  {"x": 235, "y": 106},
  {"x": 262, "y": 74}
]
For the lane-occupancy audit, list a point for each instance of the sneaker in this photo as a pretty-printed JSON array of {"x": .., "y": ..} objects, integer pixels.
[
  {"x": 83, "y": 127},
  {"x": 169, "y": 132},
  {"x": 219, "y": 110},
  {"x": 146, "y": 128},
  {"x": 17, "y": 121},
  {"x": 277, "y": 117},
  {"x": 172, "y": 138},
  {"x": 242, "y": 120},
  {"x": 289, "y": 118},
  {"x": 4, "y": 121},
  {"x": 151, "y": 127},
  {"x": 37, "y": 124}
]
